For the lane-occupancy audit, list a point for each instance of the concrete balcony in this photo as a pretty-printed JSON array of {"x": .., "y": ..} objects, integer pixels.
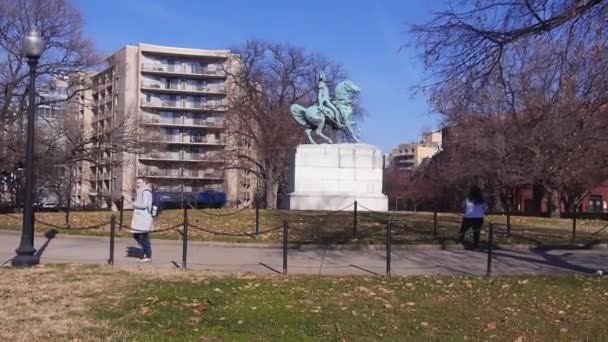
[
  {"x": 187, "y": 140},
  {"x": 184, "y": 105},
  {"x": 203, "y": 174},
  {"x": 178, "y": 174},
  {"x": 204, "y": 157},
  {"x": 210, "y": 158},
  {"x": 161, "y": 156},
  {"x": 156, "y": 120},
  {"x": 204, "y": 123},
  {"x": 159, "y": 173},
  {"x": 179, "y": 88},
  {"x": 182, "y": 70},
  {"x": 188, "y": 189}
]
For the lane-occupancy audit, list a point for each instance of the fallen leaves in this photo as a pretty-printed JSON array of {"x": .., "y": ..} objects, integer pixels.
[{"x": 146, "y": 311}]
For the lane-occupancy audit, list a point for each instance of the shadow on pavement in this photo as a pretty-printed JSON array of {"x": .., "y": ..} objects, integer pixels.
[
  {"x": 270, "y": 268},
  {"x": 135, "y": 252},
  {"x": 555, "y": 261},
  {"x": 49, "y": 235}
]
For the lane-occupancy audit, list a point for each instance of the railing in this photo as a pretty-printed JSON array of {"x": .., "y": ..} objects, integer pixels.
[
  {"x": 160, "y": 85},
  {"x": 161, "y": 155},
  {"x": 162, "y": 67},
  {"x": 204, "y": 140},
  {"x": 180, "y": 104},
  {"x": 206, "y": 89},
  {"x": 204, "y": 122},
  {"x": 181, "y": 69},
  {"x": 154, "y": 119},
  {"x": 203, "y": 173},
  {"x": 206, "y": 105},
  {"x": 161, "y": 103},
  {"x": 187, "y": 139},
  {"x": 190, "y": 188},
  {"x": 203, "y": 156},
  {"x": 171, "y": 120},
  {"x": 207, "y": 71},
  {"x": 170, "y": 103},
  {"x": 159, "y": 172},
  {"x": 170, "y": 138}
]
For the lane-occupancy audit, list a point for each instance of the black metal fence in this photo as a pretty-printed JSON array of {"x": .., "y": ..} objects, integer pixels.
[{"x": 386, "y": 223}]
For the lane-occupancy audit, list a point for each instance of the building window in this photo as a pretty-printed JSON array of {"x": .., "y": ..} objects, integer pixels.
[{"x": 595, "y": 204}]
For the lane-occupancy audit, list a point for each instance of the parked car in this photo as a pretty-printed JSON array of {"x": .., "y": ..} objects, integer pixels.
[{"x": 210, "y": 199}]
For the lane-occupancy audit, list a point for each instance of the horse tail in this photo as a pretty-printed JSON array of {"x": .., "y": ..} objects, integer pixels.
[{"x": 298, "y": 112}]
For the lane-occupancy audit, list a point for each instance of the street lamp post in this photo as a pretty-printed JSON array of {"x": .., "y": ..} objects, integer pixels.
[{"x": 33, "y": 45}]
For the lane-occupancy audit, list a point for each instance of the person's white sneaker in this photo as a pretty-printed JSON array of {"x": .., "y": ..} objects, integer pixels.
[{"x": 146, "y": 260}]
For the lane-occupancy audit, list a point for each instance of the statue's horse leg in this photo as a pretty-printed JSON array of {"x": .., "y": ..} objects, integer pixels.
[
  {"x": 319, "y": 131},
  {"x": 352, "y": 132},
  {"x": 308, "y": 134}
]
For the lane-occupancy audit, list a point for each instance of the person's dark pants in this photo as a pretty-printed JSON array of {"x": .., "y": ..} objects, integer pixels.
[
  {"x": 144, "y": 241},
  {"x": 471, "y": 223}
]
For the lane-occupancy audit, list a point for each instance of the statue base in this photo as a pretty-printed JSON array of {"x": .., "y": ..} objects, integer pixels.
[{"x": 334, "y": 176}]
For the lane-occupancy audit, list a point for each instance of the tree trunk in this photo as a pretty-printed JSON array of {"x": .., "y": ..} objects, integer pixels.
[
  {"x": 272, "y": 190},
  {"x": 538, "y": 193},
  {"x": 553, "y": 204}
]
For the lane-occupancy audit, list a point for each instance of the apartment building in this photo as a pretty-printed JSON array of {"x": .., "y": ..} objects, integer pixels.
[
  {"x": 409, "y": 156},
  {"x": 176, "y": 100},
  {"x": 63, "y": 113}
]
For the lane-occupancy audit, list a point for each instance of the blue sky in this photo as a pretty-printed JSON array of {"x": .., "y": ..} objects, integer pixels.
[{"x": 363, "y": 35}]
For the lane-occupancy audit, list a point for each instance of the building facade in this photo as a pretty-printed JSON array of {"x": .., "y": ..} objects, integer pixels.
[
  {"x": 400, "y": 165},
  {"x": 174, "y": 101},
  {"x": 409, "y": 156}
]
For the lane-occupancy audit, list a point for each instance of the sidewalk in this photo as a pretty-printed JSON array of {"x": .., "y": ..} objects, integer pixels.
[{"x": 228, "y": 258}]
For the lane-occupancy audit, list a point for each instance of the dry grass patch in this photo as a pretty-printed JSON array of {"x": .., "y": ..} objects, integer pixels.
[{"x": 51, "y": 303}]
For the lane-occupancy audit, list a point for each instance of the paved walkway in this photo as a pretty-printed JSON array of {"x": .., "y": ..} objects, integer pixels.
[{"x": 247, "y": 258}]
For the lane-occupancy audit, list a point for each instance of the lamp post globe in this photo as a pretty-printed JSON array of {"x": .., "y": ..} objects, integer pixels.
[{"x": 33, "y": 46}]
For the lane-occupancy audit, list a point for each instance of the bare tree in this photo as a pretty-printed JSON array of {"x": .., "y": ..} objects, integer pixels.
[
  {"x": 67, "y": 54},
  {"x": 521, "y": 83},
  {"x": 268, "y": 78}
]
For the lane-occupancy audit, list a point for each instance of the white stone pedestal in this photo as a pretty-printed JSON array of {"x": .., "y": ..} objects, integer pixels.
[{"x": 333, "y": 176}]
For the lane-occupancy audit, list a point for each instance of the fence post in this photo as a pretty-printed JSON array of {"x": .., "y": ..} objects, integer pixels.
[
  {"x": 389, "y": 233},
  {"x": 490, "y": 244},
  {"x": 112, "y": 236},
  {"x": 355, "y": 222},
  {"x": 122, "y": 211},
  {"x": 574, "y": 222},
  {"x": 508, "y": 220},
  {"x": 285, "y": 239},
  {"x": 67, "y": 215},
  {"x": 435, "y": 223},
  {"x": 185, "y": 240},
  {"x": 257, "y": 218}
]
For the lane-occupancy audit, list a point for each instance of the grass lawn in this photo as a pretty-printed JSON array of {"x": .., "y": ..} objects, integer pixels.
[
  {"x": 78, "y": 303},
  {"x": 324, "y": 227}
]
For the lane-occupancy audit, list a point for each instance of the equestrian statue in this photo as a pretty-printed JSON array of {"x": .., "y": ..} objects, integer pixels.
[{"x": 336, "y": 112}]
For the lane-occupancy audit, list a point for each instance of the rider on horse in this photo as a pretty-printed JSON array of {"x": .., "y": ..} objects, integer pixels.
[{"x": 325, "y": 104}]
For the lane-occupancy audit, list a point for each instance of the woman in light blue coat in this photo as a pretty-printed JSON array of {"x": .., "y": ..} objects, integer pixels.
[{"x": 143, "y": 222}]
